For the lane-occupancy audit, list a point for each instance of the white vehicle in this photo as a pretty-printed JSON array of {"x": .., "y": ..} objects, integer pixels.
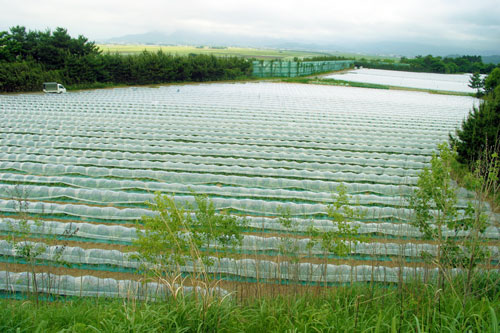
[{"x": 53, "y": 87}]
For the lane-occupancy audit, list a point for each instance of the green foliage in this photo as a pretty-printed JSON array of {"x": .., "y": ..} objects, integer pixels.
[
  {"x": 27, "y": 59},
  {"x": 20, "y": 236},
  {"x": 163, "y": 240},
  {"x": 434, "y": 203},
  {"x": 475, "y": 82},
  {"x": 340, "y": 240},
  {"x": 492, "y": 80},
  {"x": 172, "y": 235},
  {"x": 480, "y": 132},
  {"x": 431, "y": 64}
]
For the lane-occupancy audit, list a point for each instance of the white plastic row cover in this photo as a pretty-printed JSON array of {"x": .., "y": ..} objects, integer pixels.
[
  {"x": 424, "y": 149},
  {"x": 91, "y": 286},
  {"x": 50, "y": 169},
  {"x": 197, "y": 182},
  {"x": 204, "y": 162},
  {"x": 117, "y": 233},
  {"x": 254, "y": 159}
]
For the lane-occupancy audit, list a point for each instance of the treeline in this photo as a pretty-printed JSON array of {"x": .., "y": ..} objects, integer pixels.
[
  {"x": 431, "y": 64},
  {"x": 480, "y": 132},
  {"x": 29, "y": 58}
]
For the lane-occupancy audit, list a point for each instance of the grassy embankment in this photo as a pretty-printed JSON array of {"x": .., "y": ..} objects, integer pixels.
[{"x": 363, "y": 308}]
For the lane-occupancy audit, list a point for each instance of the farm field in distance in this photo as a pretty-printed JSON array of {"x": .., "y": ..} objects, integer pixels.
[
  {"x": 222, "y": 51},
  {"x": 265, "y": 54},
  {"x": 86, "y": 162}
]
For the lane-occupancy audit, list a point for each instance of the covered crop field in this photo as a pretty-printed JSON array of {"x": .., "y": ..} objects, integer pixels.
[
  {"x": 432, "y": 81},
  {"x": 86, "y": 163}
]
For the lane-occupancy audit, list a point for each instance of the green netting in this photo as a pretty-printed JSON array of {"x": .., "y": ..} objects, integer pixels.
[{"x": 272, "y": 68}]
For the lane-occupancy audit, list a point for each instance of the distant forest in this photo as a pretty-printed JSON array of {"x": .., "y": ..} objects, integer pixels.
[
  {"x": 431, "y": 64},
  {"x": 29, "y": 58}
]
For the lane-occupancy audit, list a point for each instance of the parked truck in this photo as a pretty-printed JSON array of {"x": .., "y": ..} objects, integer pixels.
[{"x": 53, "y": 87}]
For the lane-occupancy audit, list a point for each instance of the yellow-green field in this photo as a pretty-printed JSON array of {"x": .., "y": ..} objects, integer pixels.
[
  {"x": 223, "y": 51},
  {"x": 228, "y": 51}
]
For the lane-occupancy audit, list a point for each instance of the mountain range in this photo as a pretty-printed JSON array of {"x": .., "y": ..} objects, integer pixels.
[{"x": 388, "y": 48}]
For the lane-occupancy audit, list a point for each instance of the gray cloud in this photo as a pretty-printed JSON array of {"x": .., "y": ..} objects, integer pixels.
[{"x": 474, "y": 24}]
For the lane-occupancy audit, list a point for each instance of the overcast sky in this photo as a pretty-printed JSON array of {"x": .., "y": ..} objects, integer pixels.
[{"x": 472, "y": 24}]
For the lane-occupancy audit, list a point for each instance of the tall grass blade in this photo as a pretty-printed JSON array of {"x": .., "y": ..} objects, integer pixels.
[{"x": 494, "y": 321}]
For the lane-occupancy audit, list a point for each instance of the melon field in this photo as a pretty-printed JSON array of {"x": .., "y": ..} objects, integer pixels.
[{"x": 77, "y": 171}]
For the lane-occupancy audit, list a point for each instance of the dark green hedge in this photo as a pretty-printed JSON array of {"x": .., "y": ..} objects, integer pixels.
[{"x": 27, "y": 59}]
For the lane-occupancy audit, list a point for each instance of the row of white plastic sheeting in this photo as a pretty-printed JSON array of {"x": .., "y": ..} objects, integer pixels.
[
  {"x": 434, "y": 81},
  {"x": 117, "y": 233},
  {"x": 357, "y": 133},
  {"x": 184, "y": 192},
  {"x": 241, "y": 268},
  {"x": 242, "y": 206},
  {"x": 273, "y": 130},
  {"x": 423, "y": 149},
  {"x": 333, "y": 156},
  {"x": 212, "y": 93},
  {"x": 72, "y": 255},
  {"x": 196, "y": 182},
  {"x": 210, "y": 164},
  {"x": 185, "y": 130},
  {"x": 316, "y": 163},
  {"x": 251, "y": 244},
  {"x": 102, "y": 196},
  {"x": 384, "y": 228},
  {"x": 288, "y": 141},
  {"x": 92, "y": 286},
  {"x": 267, "y": 113},
  {"x": 82, "y": 230},
  {"x": 50, "y": 169}
]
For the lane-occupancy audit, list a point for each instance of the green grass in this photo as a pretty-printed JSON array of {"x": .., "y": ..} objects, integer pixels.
[
  {"x": 95, "y": 85},
  {"x": 363, "y": 308}
]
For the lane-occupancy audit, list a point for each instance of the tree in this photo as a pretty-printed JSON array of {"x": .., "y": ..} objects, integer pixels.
[
  {"x": 434, "y": 203},
  {"x": 340, "y": 240},
  {"x": 480, "y": 132},
  {"x": 475, "y": 82},
  {"x": 492, "y": 80},
  {"x": 173, "y": 236},
  {"x": 21, "y": 232}
]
